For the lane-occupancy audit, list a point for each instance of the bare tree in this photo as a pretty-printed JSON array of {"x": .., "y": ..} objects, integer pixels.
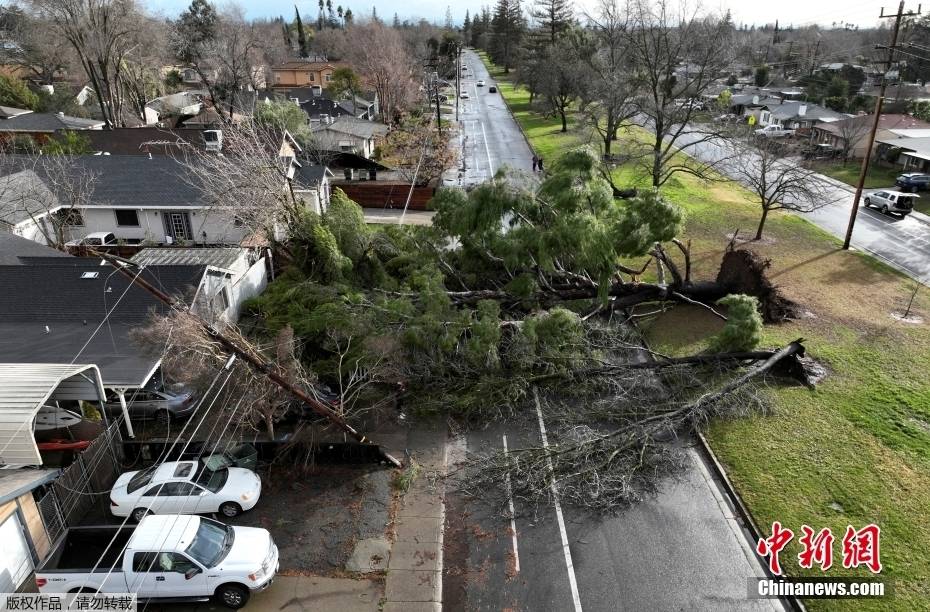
[
  {"x": 609, "y": 95},
  {"x": 142, "y": 80},
  {"x": 381, "y": 58},
  {"x": 102, "y": 33},
  {"x": 676, "y": 55},
  {"x": 51, "y": 191},
  {"x": 776, "y": 183},
  {"x": 851, "y": 132},
  {"x": 250, "y": 183},
  {"x": 36, "y": 47},
  {"x": 417, "y": 151}
]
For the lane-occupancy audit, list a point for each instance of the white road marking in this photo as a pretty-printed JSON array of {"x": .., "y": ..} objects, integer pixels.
[
  {"x": 513, "y": 524},
  {"x": 576, "y": 598},
  {"x": 484, "y": 136}
]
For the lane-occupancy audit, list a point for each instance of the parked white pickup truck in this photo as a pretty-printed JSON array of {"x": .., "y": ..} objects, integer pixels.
[
  {"x": 774, "y": 131},
  {"x": 164, "y": 558}
]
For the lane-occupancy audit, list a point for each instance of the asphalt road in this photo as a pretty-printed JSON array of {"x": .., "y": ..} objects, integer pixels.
[
  {"x": 683, "y": 549},
  {"x": 491, "y": 138},
  {"x": 902, "y": 243}
]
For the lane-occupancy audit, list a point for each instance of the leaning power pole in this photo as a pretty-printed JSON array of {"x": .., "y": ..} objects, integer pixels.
[
  {"x": 458, "y": 78},
  {"x": 877, "y": 116},
  {"x": 258, "y": 363}
]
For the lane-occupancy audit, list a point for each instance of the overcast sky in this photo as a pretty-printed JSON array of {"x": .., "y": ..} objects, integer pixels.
[{"x": 796, "y": 12}]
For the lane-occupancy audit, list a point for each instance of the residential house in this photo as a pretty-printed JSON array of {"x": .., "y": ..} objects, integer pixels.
[
  {"x": 51, "y": 306},
  {"x": 912, "y": 154},
  {"x": 751, "y": 103},
  {"x": 26, "y": 541},
  {"x": 313, "y": 184},
  {"x": 796, "y": 115},
  {"x": 167, "y": 110},
  {"x": 23, "y": 121},
  {"x": 146, "y": 141},
  {"x": 349, "y": 134},
  {"x": 322, "y": 106},
  {"x": 140, "y": 199},
  {"x": 856, "y": 129},
  {"x": 302, "y": 73},
  {"x": 231, "y": 276}
]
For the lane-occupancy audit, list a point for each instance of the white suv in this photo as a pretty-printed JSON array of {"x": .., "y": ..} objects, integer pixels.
[{"x": 891, "y": 202}]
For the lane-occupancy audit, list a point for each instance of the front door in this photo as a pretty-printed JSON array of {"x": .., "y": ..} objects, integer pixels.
[{"x": 178, "y": 225}]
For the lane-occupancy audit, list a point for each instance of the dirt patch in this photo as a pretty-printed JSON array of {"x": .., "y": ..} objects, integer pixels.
[
  {"x": 745, "y": 271},
  {"x": 911, "y": 319},
  {"x": 316, "y": 517}
]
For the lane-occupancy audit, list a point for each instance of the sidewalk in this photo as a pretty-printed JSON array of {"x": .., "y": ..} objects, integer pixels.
[{"x": 414, "y": 576}]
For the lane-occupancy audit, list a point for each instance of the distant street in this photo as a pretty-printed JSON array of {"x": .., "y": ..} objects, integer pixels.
[
  {"x": 902, "y": 243},
  {"x": 683, "y": 549},
  {"x": 492, "y": 138}
]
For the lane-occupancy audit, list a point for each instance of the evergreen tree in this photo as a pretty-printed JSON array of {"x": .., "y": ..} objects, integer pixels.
[
  {"x": 467, "y": 25},
  {"x": 319, "y": 19},
  {"x": 288, "y": 42},
  {"x": 554, "y": 17},
  {"x": 347, "y": 17},
  {"x": 301, "y": 36},
  {"x": 507, "y": 27},
  {"x": 449, "y": 22},
  {"x": 396, "y": 22}
]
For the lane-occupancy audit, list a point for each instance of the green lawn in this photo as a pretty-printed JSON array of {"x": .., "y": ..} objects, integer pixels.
[
  {"x": 855, "y": 450},
  {"x": 849, "y": 173}
]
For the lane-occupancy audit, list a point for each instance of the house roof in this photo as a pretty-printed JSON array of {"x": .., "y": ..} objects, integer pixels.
[
  {"x": 300, "y": 64},
  {"x": 916, "y": 147},
  {"x": 13, "y": 250},
  {"x": 119, "y": 180},
  {"x": 220, "y": 257},
  {"x": 145, "y": 140},
  {"x": 8, "y": 111},
  {"x": 788, "y": 110},
  {"x": 24, "y": 389},
  {"x": 310, "y": 176},
  {"x": 14, "y": 483},
  {"x": 353, "y": 126},
  {"x": 889, "y": 122},
  {"x": 50, "y": 308},
  {"x": 45, "y": 122}
]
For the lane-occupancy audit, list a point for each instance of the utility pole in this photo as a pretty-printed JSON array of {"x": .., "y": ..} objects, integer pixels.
[
  {"x": 458, "y": 78},
  {"x": 436, "y": 95},
  {"x": 877, "y": 117},
  {"x": 258, "y": 363}
]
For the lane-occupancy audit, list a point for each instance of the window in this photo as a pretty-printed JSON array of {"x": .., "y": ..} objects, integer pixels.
[
  {"x": 127, "y": 217},
  {"x": 211, "y": 543},
  {"x": 329, "y": 77},
  {"x": 211, "y": 480},
  {"x": 183, "y": 470},
  {"x": 222, "y": 298},
  {"x": 145, "y": 562},
  {"x": 174, "y": 562},
  {"x": 141, "y": 479},
  {"x": 311, "y": 77}
]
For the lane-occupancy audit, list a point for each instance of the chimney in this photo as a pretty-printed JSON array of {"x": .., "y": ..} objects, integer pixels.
[
  {"x": 802, "y": 110},
  {"x": 61, "y": 115}
]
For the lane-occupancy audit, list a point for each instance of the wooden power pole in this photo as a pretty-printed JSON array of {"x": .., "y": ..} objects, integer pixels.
[{"x": 877, "y": 116}]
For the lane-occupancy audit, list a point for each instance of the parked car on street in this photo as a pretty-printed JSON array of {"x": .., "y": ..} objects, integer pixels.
[
  {"x": 480, "y": 83},
  {"x": 492, "y": 89},
  {"x": 159, "y": 404},
  {"x": 185, "y": 487},
  {"x": 464, "y": 95},
  {"x": 164, "y": 558},
  {"x": 774, "y": 131},
  {"x": 913, "y": 181},
  {"x": 891, "y": 202}
]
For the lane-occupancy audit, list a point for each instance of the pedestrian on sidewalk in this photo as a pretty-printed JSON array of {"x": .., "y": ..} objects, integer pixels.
[
  {"x": 535, "y": 162},
  {"x": 539, "y": 163}
]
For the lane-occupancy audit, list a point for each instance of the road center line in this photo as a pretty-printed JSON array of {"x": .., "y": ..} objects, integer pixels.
[
  {"x": 513, "y": 523},
  {"x": 576, "y": 598}
]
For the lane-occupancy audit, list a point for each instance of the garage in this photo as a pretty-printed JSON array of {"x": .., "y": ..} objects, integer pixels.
[{"x": 15, "y": 558}]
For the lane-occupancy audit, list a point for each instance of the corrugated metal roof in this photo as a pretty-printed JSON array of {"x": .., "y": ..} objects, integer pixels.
[
  {"x": 221, "y": 257},
  {"x": 26, "y": 387}
]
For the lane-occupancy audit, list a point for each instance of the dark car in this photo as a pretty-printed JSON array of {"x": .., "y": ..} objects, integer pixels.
[
  {"x": 159, "y": 404},
  {"x": 492, "y": 89},
  {"x": 913, "y": 181}
]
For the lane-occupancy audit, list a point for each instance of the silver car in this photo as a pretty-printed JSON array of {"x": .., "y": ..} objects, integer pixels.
[
  {"x": 162, "y": 405},
  {"x": 891, "y": 201}
]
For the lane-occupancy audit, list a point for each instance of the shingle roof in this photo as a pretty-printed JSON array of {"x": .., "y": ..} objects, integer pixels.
[
  {"x": 15, "y": 250},
  {"x": 310, "y": 176},
  {"x": 144, "y": 140},
  {"x": 354, "y": 127},
  {"x": 812, "y": 112},
  {"x": 119, "y": 180},
  {"x": 48, "y": 312},
  {"x": 46, "y": 122}
]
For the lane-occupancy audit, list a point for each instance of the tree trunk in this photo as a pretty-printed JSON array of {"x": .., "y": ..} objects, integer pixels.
[
  {"x": 765, "y": 213},
  {"x": 564, "y": 119}
]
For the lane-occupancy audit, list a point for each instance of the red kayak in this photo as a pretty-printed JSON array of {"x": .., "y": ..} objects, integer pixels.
[{"x": 63, "y": 445}]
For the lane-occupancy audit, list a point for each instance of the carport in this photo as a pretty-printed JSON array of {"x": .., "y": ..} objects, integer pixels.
[{"x": 25, "y": 388}]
